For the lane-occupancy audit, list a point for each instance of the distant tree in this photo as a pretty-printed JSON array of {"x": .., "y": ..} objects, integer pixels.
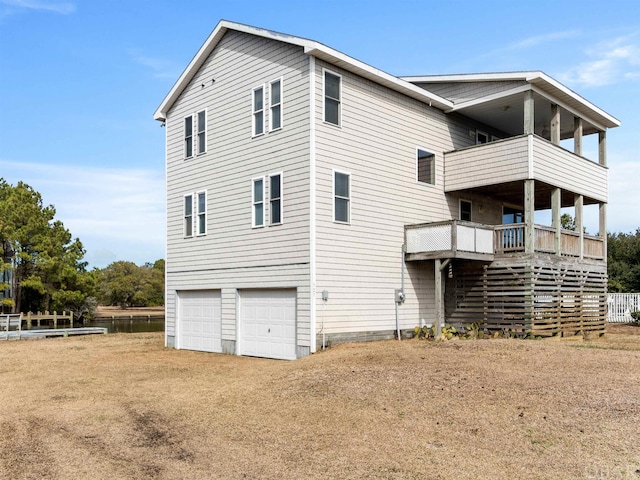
[
  {"x": 623, "y": 257},
  {"x": 44, "y": 260},
  {"x": 567, "y": 222},
  {"x": 125, "y": 284}
]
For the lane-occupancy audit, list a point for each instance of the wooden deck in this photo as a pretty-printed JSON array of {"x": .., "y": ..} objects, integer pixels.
[{"x": 51, "y": 332}]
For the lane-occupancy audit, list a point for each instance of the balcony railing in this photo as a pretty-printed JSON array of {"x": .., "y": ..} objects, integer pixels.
[{"x": 456, "y": 239}]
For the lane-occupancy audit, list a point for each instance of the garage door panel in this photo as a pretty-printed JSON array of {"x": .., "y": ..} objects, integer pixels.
[
  {"x": 199, "y": 318},
  {"x": 268, "y": 323}
]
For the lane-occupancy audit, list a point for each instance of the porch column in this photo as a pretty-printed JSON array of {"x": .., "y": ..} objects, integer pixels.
[
  {"x": 439, "y": 293},
  {"x": 602, "y": 148},
  {"x": 529, "y": 209},
  {"x": 603, "y": 228},
  {"x": 578, "y": 203},
  {"x": 556, "y": 204},
  {"x": 577, "y": 136},
  {"x": 555, "y": 124},
  {"x": 529, "y": 118}
]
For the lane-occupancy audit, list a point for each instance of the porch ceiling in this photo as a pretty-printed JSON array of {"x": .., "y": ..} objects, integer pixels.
[{"x": 512, "y": 193}]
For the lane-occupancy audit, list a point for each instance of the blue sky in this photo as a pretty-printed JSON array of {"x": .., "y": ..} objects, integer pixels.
[{"x": 80, "y": 80}]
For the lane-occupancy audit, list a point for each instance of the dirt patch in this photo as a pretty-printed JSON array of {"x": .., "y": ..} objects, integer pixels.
[{"x": 122, "y": 406}]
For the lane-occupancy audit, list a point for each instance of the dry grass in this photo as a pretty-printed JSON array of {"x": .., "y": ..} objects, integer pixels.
[{"x": 122, "y": 406}]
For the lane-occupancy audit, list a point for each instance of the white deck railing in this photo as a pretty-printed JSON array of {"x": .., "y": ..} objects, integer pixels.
[{"x": 621, "y": 305}]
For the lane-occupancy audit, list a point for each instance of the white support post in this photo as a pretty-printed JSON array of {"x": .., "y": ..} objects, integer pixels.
[
  {"x": 529, "y": 114},
  {"x": 529, "y": 210},
  {"x": 556, "y": 204},
  {"x": 577, "y": 136},
  {"x": 555, "y": 124},
  {"x": 602, "y": 148},
  {"x": 579, "y": 221}
]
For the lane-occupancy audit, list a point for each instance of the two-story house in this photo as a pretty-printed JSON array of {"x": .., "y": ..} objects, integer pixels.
[{"x": 312, "y": 198}]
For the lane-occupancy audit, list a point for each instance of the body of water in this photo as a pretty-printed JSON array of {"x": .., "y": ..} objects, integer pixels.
[{"x": 118, "y": 325}]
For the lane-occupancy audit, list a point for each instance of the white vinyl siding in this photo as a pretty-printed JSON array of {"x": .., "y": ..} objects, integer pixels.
[
  {"x": 275, "y": 105},
  {"x": 257, "y": 120},
  {"x": 188, "y": 136},
  {"x": 202, "y": 131},
  {"x": 257, "y": 202},
  {"x": 332, "y": 92},
  {"x": 341, "y": 197}
]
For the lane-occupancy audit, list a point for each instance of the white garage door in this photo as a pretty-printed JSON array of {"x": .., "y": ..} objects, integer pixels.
[
  {"x": 199, "y": 320},
  {"x": 268, "y": 323}
]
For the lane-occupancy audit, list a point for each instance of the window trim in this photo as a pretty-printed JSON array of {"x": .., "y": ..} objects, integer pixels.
[
  {"x": 271, "y": 222},
  {"x": 334, "y": 196},
  {"x": 460, "y": 202},
  {"x": 480, "y": 132},
  {"x": 255, "y": 112},
  {"x": 187, "y": 139},
  {"x": 201, "y": 132},
  {"x": 199, "y": 214},
  {"x": 433, "y": 167},
  {"x": 254, "y": 202},
  {"x": 279, "y": 104},
  {"x": 324, "y": 98},
  {"x": 186, "y": 234}
]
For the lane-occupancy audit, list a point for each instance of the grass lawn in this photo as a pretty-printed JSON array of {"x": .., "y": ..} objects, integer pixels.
[{"x": 123, "y": 407}]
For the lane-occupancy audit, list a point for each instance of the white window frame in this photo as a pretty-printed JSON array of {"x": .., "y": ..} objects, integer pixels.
[
  {"x": 255, "y": 113},
  {"x": 271, "y": 222},
  {"x": 185, "y": 216},
  {"x": 324, "y": 97},
  {"x": 272, "y": 105},
  {"x": 255, "y": 202},
  {"x": 433, "y": 166},
  {"x": 200, "y": 215},
  {"x": 485, "y": 134},
  {"x": 187, "y": 139},
  {"x": 460, "y": 202},
  {"x": 202, "y": 132},
  {"x": 334, "y": 196},
  {"x": 494, "y": 138}
]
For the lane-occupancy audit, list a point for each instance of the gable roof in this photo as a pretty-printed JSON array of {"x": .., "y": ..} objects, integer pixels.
[
  {"x": 538, "y": 81},
  {"x": 311, "y": 47}
]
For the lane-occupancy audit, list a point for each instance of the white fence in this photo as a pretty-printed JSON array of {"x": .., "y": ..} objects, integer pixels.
[{"x": 621, "y": 305}]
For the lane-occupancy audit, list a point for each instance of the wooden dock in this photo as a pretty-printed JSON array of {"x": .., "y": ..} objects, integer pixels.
[{"x": 51, "y": 332}]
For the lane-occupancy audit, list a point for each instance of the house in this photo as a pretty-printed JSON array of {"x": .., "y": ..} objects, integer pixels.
[{"x": 314, "y": 199}]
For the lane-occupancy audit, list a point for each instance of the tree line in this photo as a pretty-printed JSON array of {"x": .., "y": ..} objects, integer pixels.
[{"x": 42, "y": 266}]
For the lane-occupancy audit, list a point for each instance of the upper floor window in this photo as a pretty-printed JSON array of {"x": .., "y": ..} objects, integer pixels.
[
  {"x": 425, "y": 166},
  {"x": 257, "y": 202},
  {"x": 275, "y": 93},
  {"x": 341, "y": 197},
  {"x": 332, "y": 97},
  {"x": 201, "y": 213},
  {"x": 202, "y": 131},
  {"x": 188, "y": 215},
  {"x": 258, "y": 111},
  {"x": 195, "y": 214},
  {"x": 465, "y": 210},
  {"x": 275, "y": 199},
  {"x": 188, "y": 136},
  {"x": 481, "y": 137}
]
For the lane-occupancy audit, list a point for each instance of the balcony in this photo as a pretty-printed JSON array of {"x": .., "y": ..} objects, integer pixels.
[
  {"x": 472, "y": 241},
  {"x": 498, "y": 169}
]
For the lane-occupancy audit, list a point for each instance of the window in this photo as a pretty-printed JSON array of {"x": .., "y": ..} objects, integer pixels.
[
  {"x": 332, "y": 99},
  {"x": 425, "y": 165},
  {"x": 188, "y": 215},
  {"x": 481, "y": 137},
  {"x": 465, "y": 210},
  {"x": 202, "y": 132},
  {"x": 257, "y": 200},
  {"x": 275, "y": 199},
  {"x": 341, "y": 197},
  {"x": 188, "y": 136},
  {"x": 202, "y": 213},
  {"x": 276, "y": 105},
  {"x": 258, "y": 111}
]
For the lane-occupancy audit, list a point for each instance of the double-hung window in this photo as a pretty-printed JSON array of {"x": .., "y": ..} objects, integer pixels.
[
  {"x": 258, "y": 111},
  {"x": 257, "y": 202},
  {"x": 425, "y": 166},
  {"x": 195, "y": 214},
  {"x": 465, "y": 210},
  {"x": 202, "y": 131},
  {"x": 275, "y": 98},
  {"x": 188, "y": 136},
  {"x": 332, "y": 98},
  {"x": 275, "y": 199},
  {"x": 481, "y": 137},
  {"x": 341, "y": 197}
]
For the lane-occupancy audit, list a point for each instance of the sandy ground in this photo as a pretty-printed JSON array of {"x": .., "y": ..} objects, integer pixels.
[{"x": 123, "y": 407}]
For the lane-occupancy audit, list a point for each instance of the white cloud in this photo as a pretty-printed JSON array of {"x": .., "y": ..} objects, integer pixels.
[
  {"x": 63, "y": 8},
  {"x": 160, "y": 68},
  {"x": 610, "y": 61},
  {"x": 623, "y": 213},
  {"x": 116, "y": 213}
]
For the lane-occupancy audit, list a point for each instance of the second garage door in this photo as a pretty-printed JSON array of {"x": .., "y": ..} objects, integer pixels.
[
  {"x": 268, "y": 323},
  {"x": 199, "y": 318}
]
